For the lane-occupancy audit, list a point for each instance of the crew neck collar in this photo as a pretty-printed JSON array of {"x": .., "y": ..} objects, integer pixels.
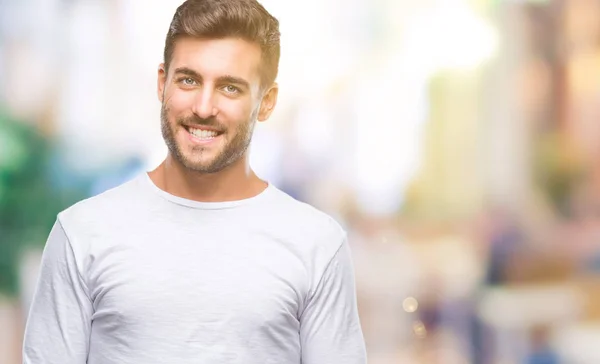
[{"x": 146, "y": 180}]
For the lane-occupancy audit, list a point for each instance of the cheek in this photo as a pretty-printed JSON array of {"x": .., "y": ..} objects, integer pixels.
[
  {"x": 179, "y": 102},
  {"x": 235, "y": 111}
]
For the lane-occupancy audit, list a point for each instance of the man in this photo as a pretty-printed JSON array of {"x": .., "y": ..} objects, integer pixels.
[{"x": 199, "y": 260}]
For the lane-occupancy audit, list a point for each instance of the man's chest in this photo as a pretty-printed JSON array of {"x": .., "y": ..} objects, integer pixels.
[{"x": 197, "y": 289}]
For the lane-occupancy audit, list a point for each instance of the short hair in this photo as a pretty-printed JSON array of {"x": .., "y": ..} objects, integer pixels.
[{"x": 217, "y": 19}]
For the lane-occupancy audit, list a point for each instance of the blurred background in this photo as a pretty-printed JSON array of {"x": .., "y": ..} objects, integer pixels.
[{"x": 458, "y": 141}]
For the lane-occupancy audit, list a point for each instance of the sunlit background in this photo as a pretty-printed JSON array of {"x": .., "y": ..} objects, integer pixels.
[{"x": 457, "y": 141}]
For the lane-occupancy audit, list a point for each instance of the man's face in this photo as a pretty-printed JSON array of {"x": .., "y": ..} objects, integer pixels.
[{"x": 211, "y": 99}]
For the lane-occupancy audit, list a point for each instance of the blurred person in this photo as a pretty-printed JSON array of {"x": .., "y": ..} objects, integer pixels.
[
  {"x": 200, "y": 260},
  {"x": 542, "y": 351}
]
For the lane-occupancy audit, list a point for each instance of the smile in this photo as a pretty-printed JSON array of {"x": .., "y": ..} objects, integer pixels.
[{"x": 202, "y": 135}]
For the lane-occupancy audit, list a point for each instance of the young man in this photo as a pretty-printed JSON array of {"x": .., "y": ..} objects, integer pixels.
[{"x": 199, "y": 260}]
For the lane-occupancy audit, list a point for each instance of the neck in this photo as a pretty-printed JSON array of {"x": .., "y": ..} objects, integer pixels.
[{"x": 236, "y": 182}]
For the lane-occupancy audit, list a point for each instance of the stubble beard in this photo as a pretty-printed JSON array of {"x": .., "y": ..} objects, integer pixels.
[{"x": 194, "y": 159}]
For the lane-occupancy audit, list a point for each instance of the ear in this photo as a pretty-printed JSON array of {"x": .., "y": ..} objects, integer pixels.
[
  {"x": 161, "y": 80},
  {"x": 268, "y": 102}
]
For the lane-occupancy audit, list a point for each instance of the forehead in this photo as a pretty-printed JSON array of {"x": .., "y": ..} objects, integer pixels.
[{"x": 217, "y": 57}]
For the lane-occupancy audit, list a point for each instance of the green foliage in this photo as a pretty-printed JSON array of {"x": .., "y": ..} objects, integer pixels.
[
  {"x": 28, "y": 202},
  {"x": 557, "y": 169}
]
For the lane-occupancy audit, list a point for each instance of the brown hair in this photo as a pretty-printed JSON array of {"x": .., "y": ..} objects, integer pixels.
[{"x": 216, "y": 19}]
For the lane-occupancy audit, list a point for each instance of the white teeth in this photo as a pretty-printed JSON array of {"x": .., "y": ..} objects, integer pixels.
[{"x": 203, "y": 134}]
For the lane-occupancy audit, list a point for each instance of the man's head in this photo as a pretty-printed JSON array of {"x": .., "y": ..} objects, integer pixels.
[{"x": 218, "y": 77}]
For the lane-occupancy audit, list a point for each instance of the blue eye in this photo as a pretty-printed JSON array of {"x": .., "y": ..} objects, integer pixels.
[
  {"x": 231, "y": 89},
  {"x": 188, "y": 81}
]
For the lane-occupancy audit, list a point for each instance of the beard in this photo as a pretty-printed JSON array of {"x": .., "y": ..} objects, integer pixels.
[{"x": 197, "y": 158}]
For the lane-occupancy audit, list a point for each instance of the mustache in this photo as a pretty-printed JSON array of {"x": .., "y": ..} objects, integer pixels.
[{"x": 194, "y": 120}]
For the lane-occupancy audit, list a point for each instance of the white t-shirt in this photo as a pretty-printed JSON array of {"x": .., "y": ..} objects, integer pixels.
[{"x": 137, "y": 275}]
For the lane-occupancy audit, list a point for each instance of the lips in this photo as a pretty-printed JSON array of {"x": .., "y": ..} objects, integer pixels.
[
  {"x": 197, "y": 128},
  {"x": 202, "y": 134}
]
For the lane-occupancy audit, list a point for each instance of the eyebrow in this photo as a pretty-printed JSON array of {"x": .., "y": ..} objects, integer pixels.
[
  {"x": 188, "y": 72},
  {"x": 223, "y": 79},
  {"x": 235, "y": 80}
]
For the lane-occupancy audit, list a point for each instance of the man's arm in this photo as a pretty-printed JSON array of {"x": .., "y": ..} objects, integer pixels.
[
  {"x": 59, "y": 322},
  {"x": 330, "y": 330}
]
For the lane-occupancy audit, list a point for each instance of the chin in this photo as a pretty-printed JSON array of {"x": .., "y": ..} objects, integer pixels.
[{"x": 203, "y": 166}]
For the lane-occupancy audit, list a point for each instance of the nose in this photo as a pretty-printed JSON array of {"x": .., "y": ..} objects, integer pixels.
[{"x": 204, "y": 104}]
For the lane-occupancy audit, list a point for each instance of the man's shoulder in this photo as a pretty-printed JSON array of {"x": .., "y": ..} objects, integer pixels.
[
  {"x": 112, "y": 202},
  {"x": 311, "y": 232},
  {"x": 307, "y": 219}
]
